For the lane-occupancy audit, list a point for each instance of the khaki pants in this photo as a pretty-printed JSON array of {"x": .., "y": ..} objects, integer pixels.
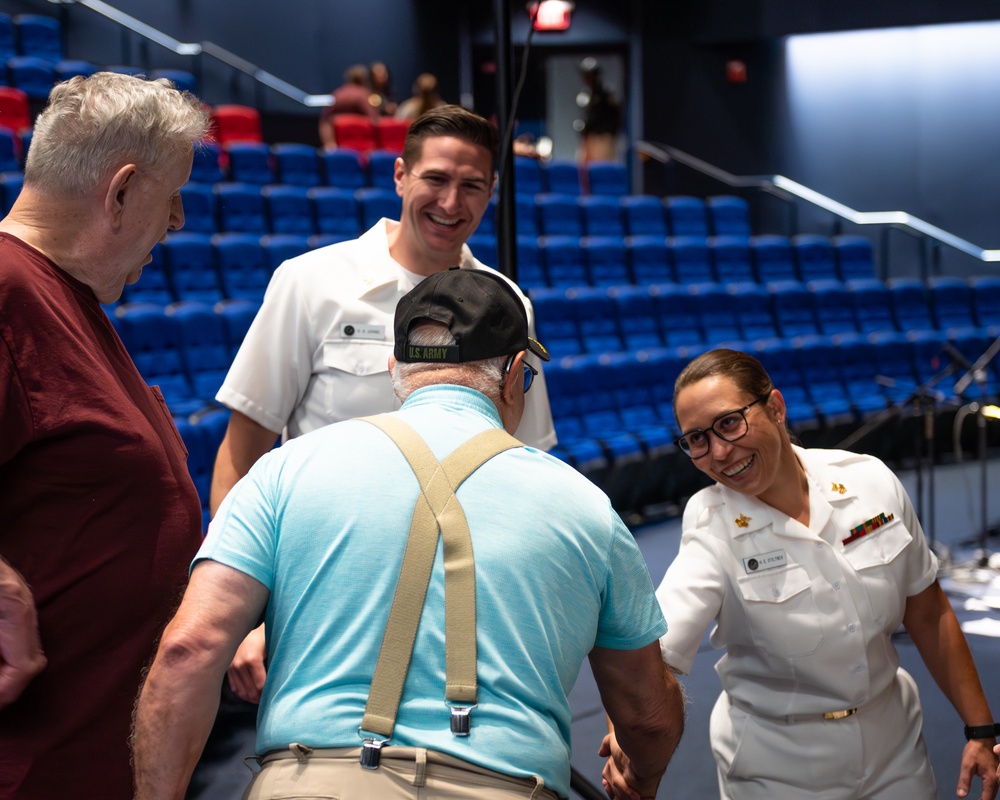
[{"x": 412, "y": 773}]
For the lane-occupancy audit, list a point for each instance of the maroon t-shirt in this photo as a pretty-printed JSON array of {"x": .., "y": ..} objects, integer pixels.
[{"x": 98, "y": 513}]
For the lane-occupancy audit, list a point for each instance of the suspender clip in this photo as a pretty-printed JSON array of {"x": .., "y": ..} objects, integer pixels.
[
  {"x": 371, "y": 751},
  {"x": 461, "y": 719}
]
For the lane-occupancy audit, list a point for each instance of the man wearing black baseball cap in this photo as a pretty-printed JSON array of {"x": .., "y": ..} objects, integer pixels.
[{"x": 431, "y": 588}]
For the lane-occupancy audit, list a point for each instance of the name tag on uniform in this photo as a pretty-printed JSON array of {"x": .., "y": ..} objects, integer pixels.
[
  {"x": 354, "y": 330},
  {"x": 765, "y": 561}
]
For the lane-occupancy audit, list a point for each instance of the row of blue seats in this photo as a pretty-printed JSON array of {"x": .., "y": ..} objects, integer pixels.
[
  {"x": 628, "y": 317},
  {"x": 562, "y": 261},
  {"x": 615, "y": 409},
  {"x": 30, "y": 35},
  {"x": 35, "y": 75},
  {"x": 300, "y": 164},
  {"x": 209, "y": 268},
  {"x": 203, "y": 266}
]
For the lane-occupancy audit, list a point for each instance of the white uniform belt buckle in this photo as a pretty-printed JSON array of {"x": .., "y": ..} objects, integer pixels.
[{"x": 848, "y": 712}]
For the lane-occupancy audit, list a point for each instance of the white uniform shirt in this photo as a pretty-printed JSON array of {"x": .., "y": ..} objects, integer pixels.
[
  {"x": 318, "y": 350},
  {"x": 805, "y": 619}
]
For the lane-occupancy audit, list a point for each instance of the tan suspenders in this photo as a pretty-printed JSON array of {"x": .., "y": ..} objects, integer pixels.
[{"x": 437, "y": 510}]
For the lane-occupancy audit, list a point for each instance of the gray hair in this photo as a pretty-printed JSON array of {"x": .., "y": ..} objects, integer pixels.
[
  {"x": 94, "y": 125},
  {"x": 484, "y": 376}
]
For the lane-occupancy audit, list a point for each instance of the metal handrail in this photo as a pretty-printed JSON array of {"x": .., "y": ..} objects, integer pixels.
[
  {"x": 199, "y": 48},
  {"x": 779, "y": 183}
]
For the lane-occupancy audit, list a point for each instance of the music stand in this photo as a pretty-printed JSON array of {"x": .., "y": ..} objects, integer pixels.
[{"x": 977, "y": 373}]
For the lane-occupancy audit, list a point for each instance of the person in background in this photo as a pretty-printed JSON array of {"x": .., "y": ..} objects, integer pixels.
[
  {"x": 602, "y": 116},
  {"x": 542, "y": 572},
  {"x": 381, "y": 89},
  {"x": 425, "y": 97},
  {"x": 100, "y": 517},
  {"x": 353, "y": 96},
  {"x": 808, "y": 561}
]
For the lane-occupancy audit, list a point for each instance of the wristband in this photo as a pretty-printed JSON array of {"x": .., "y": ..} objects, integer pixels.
[{"x": 982, "y": 731}]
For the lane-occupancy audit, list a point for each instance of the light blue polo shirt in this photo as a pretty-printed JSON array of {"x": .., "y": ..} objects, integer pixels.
[{"x": 322, "y": 522}]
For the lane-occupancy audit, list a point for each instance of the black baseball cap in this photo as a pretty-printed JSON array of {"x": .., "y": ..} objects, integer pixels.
[{"x": 481, "y": 310}]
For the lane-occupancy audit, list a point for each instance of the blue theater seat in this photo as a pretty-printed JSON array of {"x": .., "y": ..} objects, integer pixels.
[
  {"x": 343, "y": 168},
  {"x": 872, "y": 304},
  {"x": 527, "y": 215},
  {"x": 854, "y": 257},
  {"x": 772, "y": 258},
  {"x": 375, "y": 203},
  {"x": 563, "y": 261},
  {"x": 690, "y": 259},
  {"x": 484, "y": 248},
  {"x": 199, "y": 202},
  {"x": 679, "y": 321},
  {"x": 237, "y": 315},
  {"x": 730, "y": 257},
  {"x": 643, "y": 215},
  {"x": 530, "y": 269},
  {"x": 607, "y": 177},
  {"x": 561, "y": 175},
  {"x": 335, "y": 210},
  {"x": 986, "y": 302},
  {"x": 32, "y": 75},
  {"x": 40, "y": 36},
  {"x": 280, "y": 247},
  {"x": 204, "y": 349},
  {"x": 596, "y": 318},
  {"x": 601, "y": 215},
  {"x": 793, "y": 308},
  {"x": 382, "y": 169},
  {"x": 240, "y": 208},
  {"x": 910, "y": 306},
  {"x": 893, "y": 365},
  {"x": 207, "y": 167},
  {"x": 289, "y": 209},
  {"x": 557, "y": 214},
  {"x": 834, "y": 306},
  {"x": 556, "y": 322},
  {"x": 296, "y": 164},
  {"x": 182, "y": 79},
  {"x": 716, "y": 310},
  {"x": 154, "y": 286},
  {"x": 751, "y": 308},
  {"x": 814, "y": 258},
  {"x": 649, "y": 259},
  {"x": 250, "y": 162},
  {"x": 855, "y": 359},
  {"x": 607, "y": 260},
  {"x": 527, "y": 176},
  {"x": 686, "y": 216},
  {"x": 728, "y": 215},
  {"x": 152, "y": 339},
  {"x": 190, "y": 261},
  {"x": 636, "y": 315},
  {"x": 817, "y": 362},
  {"x": 778, "y": 358},
  {"x": 950, "y": 301},
  {"x": 241, "y": 265}
]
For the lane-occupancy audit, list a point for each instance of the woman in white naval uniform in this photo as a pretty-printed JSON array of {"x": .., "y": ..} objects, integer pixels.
[{"x": 808, "y": 561}]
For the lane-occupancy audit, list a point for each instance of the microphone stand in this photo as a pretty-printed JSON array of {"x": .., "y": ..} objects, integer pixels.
[{"x": 977, "y": 373}]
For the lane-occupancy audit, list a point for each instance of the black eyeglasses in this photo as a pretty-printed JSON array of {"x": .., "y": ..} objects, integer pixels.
[
  {"x": 729, "y": 427},
  {"x": 529, "y": 372}
]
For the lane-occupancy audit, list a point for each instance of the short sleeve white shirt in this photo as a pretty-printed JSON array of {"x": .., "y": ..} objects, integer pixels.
[
  {"x": 805, "y": 613},
  {"x": 318, "y": 350}
]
